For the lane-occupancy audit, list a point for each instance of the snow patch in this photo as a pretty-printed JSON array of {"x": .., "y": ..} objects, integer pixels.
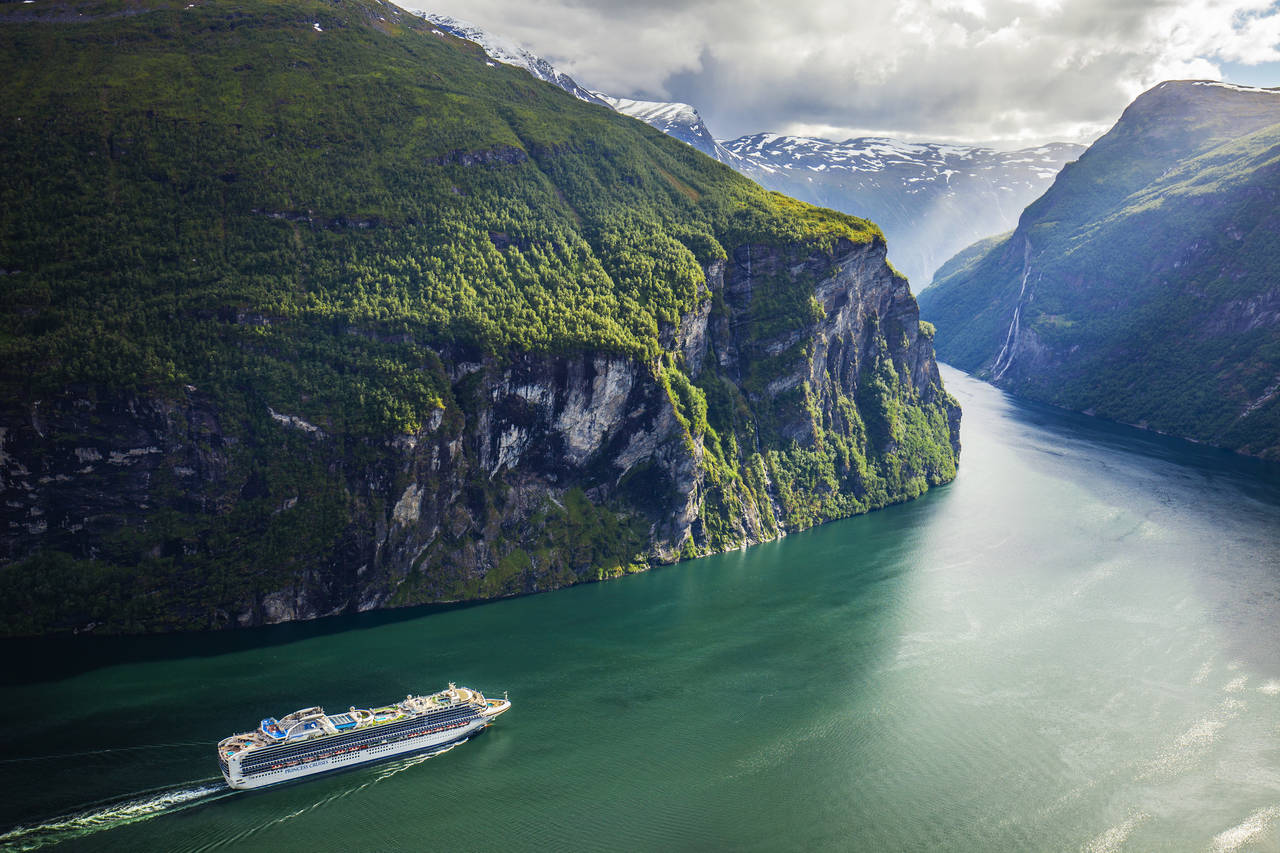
[
  {"x": 653, "y": 111},
  {"x": 1235, "y": 88}
]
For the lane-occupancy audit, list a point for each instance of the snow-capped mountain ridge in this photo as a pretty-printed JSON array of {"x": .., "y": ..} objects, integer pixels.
[
  {"x": 771, "y": 152},
  {"x": 1235, "y": 87},
  {"x": 653, "y": 111},
  {"x": 681, "y": 121},
  {"x": 509, "y": 53},
  {"x": 930, "y": 199}
]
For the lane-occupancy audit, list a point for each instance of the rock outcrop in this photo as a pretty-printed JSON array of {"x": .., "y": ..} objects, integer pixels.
[
  {"x": 539, "y": 471},
  {"x": 395, "y": 323}
]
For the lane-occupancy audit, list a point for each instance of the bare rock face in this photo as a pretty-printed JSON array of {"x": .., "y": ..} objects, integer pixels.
[{"x": 539, "y": 470}]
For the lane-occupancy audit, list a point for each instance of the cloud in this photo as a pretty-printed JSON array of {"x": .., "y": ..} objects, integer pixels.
[{"x": 1003, "y": 71}]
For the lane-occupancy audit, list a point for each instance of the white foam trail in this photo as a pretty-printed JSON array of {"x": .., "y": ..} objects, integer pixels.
[
  {"x": 1115, "y": 837},
  {"x": 386, "y": 771},
  {"x": 1253, "y": 826},
  {"x": 102, "y": 818}
]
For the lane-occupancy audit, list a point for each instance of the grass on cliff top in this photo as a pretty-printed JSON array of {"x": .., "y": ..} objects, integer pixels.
[{"x": 316, "y": 193}]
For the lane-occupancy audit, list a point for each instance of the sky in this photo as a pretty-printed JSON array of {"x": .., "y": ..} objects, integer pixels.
[{"x": 1007, "y": 73}]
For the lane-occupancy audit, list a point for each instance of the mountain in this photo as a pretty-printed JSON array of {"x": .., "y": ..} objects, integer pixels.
[
  {"x": 683, "y": 122},
  {"x": 510, "y": 53},
  {"x": 931, "y": 199},
  {"x": 1144, "y": 286},
  {"x": 311, "y": 308}
]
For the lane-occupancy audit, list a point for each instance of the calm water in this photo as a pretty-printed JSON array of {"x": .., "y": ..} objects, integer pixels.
[{"x": 1074, "y": 646}]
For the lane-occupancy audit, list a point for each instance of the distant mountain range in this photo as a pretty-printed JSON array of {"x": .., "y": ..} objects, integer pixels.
[
  {"x": 1144, "y": 286},
  {"x": 931, "y": 200}
]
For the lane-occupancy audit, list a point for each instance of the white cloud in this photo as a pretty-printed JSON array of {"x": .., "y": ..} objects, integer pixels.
[{"x": 983, "y": 70}]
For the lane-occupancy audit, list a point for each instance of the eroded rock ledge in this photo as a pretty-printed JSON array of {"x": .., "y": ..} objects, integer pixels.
[{"x": 539, "y": 470}]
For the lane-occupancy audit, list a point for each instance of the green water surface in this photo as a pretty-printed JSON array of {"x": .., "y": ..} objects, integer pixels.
[{"x": 1075, "y": 646}]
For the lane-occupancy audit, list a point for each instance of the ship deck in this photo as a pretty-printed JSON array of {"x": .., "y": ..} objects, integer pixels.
[{"x": 308, "y": 723}]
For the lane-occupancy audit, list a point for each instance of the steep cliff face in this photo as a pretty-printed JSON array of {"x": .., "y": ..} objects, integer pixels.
[
  {"x": 1142, "y": 286},
  {"x": 387, "y": 322},
  {"x": 537, "y": 472}
]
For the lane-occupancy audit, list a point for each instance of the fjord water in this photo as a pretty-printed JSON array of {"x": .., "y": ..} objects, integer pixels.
[{"x": 1076, "y": 645}]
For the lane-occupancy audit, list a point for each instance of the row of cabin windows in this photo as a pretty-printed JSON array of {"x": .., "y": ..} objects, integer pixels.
[{"x": 288, "y": 769}]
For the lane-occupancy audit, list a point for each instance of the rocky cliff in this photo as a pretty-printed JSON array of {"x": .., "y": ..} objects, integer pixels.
[
  {"x": 536, "y": 471},
  {"x": 313, "y": 308}
]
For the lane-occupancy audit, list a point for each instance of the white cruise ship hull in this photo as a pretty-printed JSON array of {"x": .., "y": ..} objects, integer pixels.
[{"x": 366, "y": 755}]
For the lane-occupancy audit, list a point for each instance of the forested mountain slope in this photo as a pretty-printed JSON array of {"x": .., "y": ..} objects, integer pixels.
[
  {"x": 1144, "y": 286},
  {"x": 930, "y": 199},
  {"x": 310, "y": 307}
]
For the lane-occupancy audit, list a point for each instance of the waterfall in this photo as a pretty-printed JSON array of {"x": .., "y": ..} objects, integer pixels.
[{"x": 998, "y": 370}]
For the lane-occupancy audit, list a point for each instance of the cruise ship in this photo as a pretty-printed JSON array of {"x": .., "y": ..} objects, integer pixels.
[{"x": 310, "y": 741}]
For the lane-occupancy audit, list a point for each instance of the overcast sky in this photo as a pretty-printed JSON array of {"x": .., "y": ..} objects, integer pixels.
[{"x": 1005, "y": 72}]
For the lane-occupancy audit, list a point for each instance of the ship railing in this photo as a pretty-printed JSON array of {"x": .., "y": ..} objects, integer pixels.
[
  {"x": 301, "y": 714},
  {"x": 309, "y": 718}
]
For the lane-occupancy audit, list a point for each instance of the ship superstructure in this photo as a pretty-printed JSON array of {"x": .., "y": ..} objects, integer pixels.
[{"x": 309, "y": 741}]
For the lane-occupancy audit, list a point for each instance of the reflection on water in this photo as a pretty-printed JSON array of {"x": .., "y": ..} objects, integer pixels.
[{"x": 1074, "y": 646}]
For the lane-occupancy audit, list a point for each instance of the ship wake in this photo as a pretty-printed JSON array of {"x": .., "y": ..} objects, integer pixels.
[
  {"x": 108, "y": 814},
  {"x": 101, "y": 816},
  {"x": 380, "y": 773}
]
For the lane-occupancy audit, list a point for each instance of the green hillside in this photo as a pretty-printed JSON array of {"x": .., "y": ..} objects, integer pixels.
[
  {"x": 1146, "y": 280},
  {"x": 305, "y": 162},
  {"x": 262, "y": 258}
]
